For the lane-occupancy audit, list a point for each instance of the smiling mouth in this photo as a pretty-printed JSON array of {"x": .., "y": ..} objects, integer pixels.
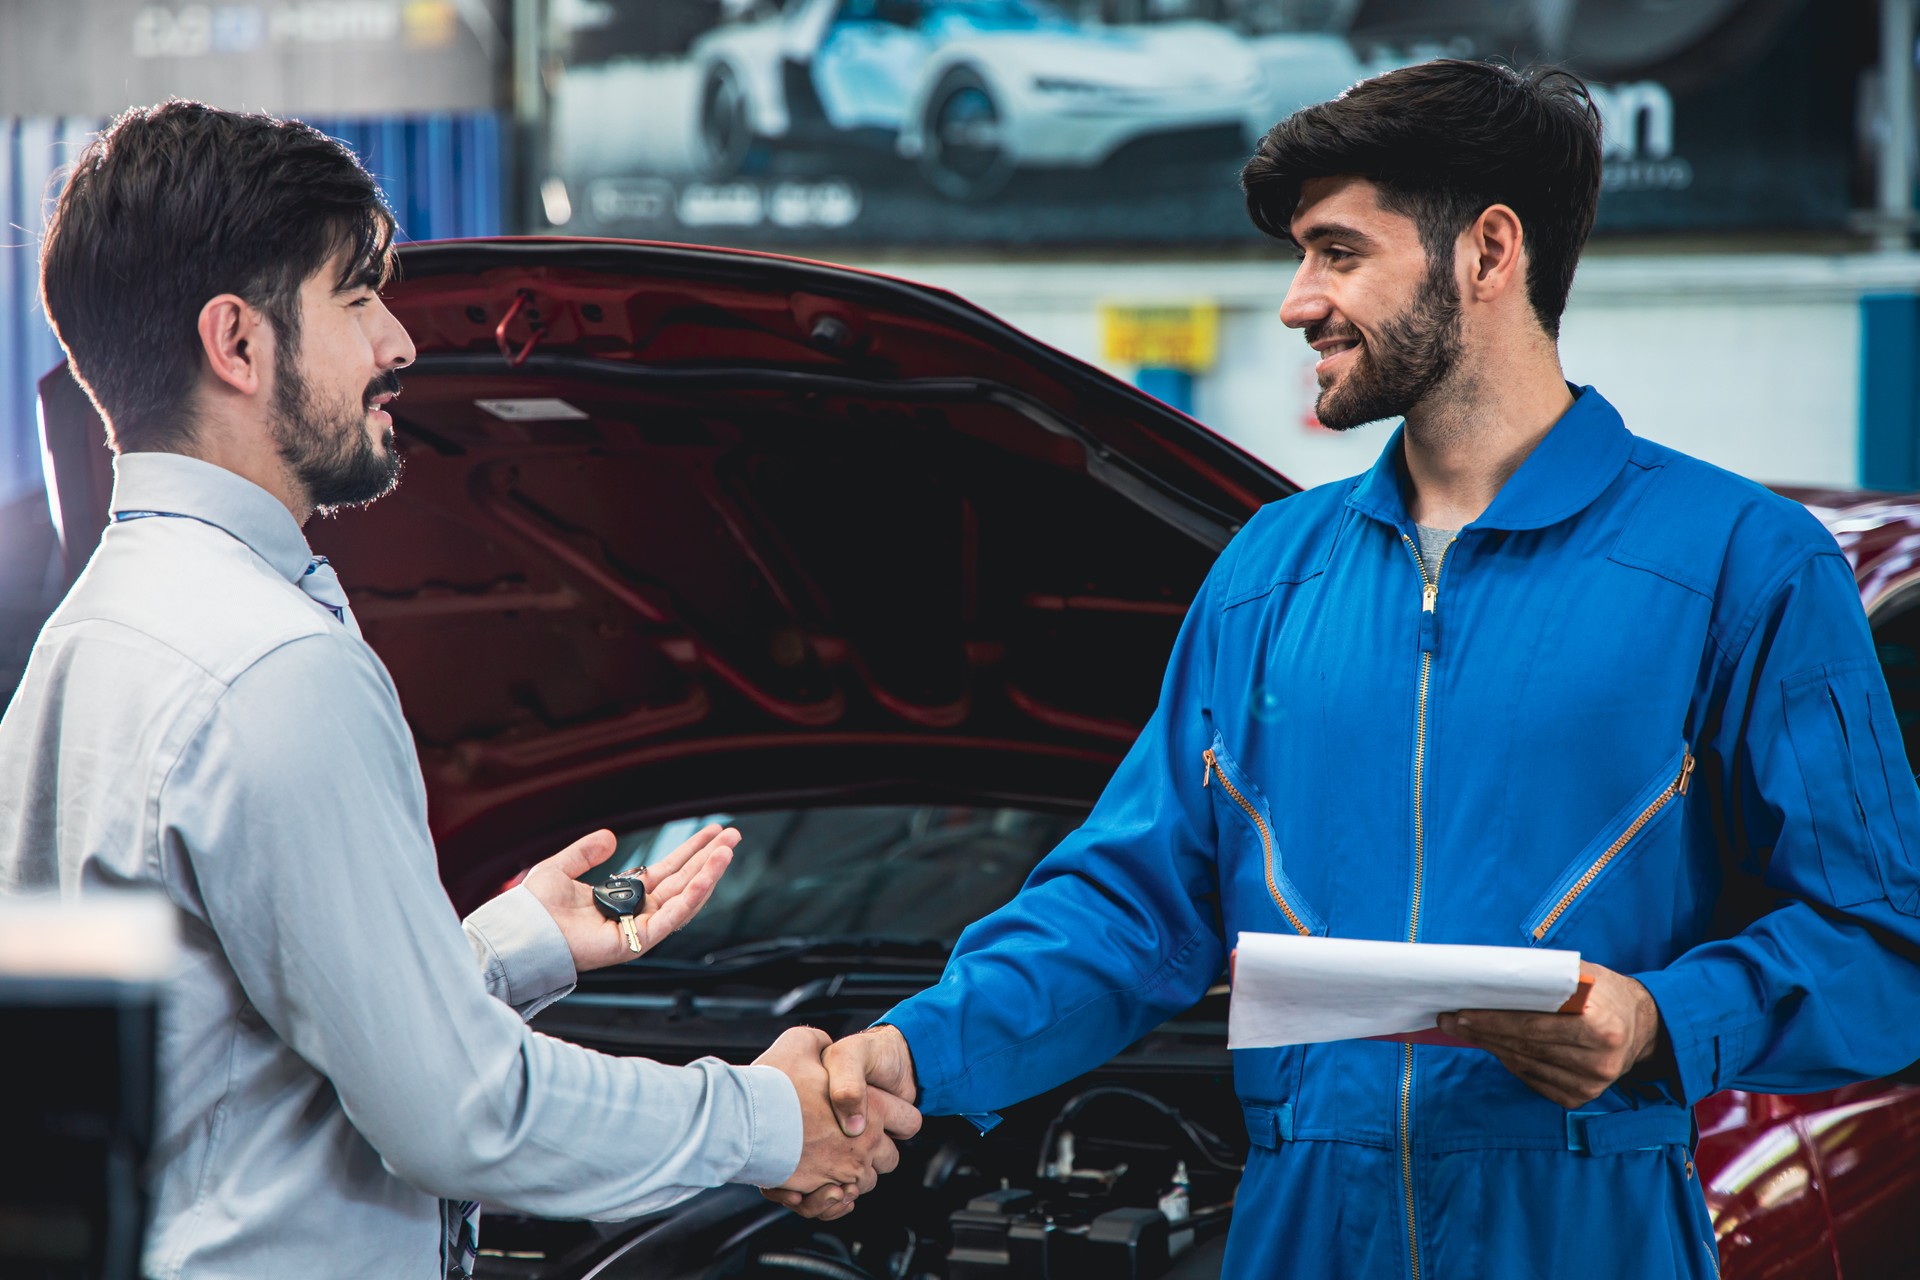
[
  {"x": 382, "y": 391},
  {"x": 1330, "y": 350}
]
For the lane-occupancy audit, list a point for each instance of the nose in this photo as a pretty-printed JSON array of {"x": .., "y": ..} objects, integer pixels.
[
  {"x": 1306, "y": 300},
  {"x": 392, "y": 345}
]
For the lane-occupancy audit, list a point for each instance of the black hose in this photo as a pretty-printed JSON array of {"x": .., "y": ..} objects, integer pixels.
[
  {"x": 1210, "y": 1146},
  {"x": 811, "y": 1264}
]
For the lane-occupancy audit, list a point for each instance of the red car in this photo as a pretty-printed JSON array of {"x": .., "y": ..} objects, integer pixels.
[{"x": 891, "y": 585}]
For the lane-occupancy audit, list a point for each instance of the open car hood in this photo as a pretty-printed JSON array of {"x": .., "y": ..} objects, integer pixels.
[{"x": 684, "y": 530}]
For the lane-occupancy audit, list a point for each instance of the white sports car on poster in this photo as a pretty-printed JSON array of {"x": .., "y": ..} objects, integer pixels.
[{"x": 973, "y": 90}]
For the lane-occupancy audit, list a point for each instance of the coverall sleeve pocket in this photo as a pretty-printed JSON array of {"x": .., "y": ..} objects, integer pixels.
[{"x": 1825, "y": 731}]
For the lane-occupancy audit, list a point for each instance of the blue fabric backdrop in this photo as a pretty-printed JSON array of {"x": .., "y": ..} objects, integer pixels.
[{"x": 442, "y": 174}]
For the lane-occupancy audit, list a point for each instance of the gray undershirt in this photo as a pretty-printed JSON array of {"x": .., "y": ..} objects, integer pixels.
[{"x": 1433, "y": 547}]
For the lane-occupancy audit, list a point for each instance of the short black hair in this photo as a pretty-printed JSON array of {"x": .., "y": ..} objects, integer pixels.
[
  {"x": 1443, "y": 141},
  {"x": 179, "y": 203}
]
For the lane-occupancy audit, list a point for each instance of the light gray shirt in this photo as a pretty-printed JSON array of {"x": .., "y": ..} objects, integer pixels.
[
  {"x": 1433, "y": 548},
  {"x": 336, "y": 1055}
]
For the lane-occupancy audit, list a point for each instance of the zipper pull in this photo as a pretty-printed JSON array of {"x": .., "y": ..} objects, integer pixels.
[
  {"x": 1429, "y": 596},
  {"x": 1686, "y": 772},
  {"x": 1206, "y": 770}
]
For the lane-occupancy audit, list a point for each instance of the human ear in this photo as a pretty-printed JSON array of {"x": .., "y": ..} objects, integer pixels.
[
  {"x": 1495, "y": 244},
  {"x": 236, "y": 341}
]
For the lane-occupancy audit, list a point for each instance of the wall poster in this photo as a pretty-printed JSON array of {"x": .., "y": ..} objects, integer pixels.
[{"x": 1067, "y": 123}]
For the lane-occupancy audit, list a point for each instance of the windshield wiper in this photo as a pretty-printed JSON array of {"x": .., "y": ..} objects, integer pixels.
[
  {"x": 750, "y": 955},
  {"x": 860, "y": 970}
]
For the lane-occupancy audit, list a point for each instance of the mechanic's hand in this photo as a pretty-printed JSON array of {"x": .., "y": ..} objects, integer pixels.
[
  {"x": 677, "y": 887},
  {"x": 874, "y": 1064},
  {"x": 1571, "y": 1058},
  {"x": 834, "y": 1169}
]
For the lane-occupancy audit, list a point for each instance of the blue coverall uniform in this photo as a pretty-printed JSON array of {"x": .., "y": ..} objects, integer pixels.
[{"x": 1634, "y": 711}]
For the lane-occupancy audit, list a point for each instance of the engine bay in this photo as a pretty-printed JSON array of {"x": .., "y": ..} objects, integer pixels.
[
  {"x": 1120, "y": 1173},
  {"x": 829, "y": 917}
]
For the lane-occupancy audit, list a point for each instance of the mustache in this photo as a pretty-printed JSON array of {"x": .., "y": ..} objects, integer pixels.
[{"x": 386, "y": 384}]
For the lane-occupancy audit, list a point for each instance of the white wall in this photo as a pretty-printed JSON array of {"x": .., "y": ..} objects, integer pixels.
[{"x": 1749, "y": 361}]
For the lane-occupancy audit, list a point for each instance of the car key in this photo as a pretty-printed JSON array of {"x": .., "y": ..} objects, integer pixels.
[{"x": 621, "y": 898}]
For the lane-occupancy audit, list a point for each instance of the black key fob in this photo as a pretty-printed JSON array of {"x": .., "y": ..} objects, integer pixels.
[{"x": 621, "y": 895}]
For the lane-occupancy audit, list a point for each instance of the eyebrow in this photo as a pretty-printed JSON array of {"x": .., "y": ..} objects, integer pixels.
[
  {"x": 369, "y": 275},
  {"x": 1322, "y": 231},
  {"x": 375, "y": 271}
]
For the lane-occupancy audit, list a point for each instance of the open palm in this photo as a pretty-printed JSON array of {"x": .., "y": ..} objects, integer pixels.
[{"x": 677, "y": 887}]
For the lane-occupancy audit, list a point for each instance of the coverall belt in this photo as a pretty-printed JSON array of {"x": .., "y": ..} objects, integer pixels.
[
  {"x": 1597, "y": 1133},
  {"x": 1268, "y": 1126},
  {"x": 1610, "y": 1133}
]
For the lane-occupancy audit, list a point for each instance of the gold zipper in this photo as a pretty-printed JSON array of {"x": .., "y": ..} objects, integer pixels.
[
  {"x": 1406, "y": 1155},
  {"x": 1429, "y": 600},
  {"x": 1678, "y": 787},
  {"x": 1266, "y": 837}
]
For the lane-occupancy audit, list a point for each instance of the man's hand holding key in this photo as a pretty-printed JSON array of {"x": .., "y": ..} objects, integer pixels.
[{"x": 610, "y": 927}]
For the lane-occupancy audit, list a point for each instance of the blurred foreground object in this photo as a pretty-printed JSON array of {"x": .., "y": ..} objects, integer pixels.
[{"x": 80, "y": 990}]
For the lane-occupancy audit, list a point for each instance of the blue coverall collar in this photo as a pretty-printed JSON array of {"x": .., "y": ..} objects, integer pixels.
[{"x": 1563, "y": 475}]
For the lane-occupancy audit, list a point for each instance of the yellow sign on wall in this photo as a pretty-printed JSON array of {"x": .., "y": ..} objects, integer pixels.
[{"x": 1161, "y": 335}]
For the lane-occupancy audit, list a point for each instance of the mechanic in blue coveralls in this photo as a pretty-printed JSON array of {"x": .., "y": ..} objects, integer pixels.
[{"x": 1530, "y": 681}]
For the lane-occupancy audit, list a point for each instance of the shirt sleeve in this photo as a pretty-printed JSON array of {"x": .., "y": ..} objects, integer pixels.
[
  {"x": 523, "y": 957},
  {"x": 1114, "y": 932},
  {"x": 300, "y": 810},
  {"x": 1820, "y": 823}
]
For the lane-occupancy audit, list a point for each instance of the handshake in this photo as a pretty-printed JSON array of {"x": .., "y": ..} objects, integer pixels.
[{"x": 856, "y": 1097}]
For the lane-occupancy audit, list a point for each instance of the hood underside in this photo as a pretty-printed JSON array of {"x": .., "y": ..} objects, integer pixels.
[
  {"x": 791, "y": 533},
  {"x": 688, "y": 530}
]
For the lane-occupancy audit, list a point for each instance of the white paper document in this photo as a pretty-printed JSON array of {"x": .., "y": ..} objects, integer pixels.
[{"x": 1289, "y": 989}]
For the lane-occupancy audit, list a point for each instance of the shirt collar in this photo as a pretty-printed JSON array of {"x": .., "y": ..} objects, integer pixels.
[
  {"x": 1570, "y": 467},
  {"x": 179, "y": 485}
]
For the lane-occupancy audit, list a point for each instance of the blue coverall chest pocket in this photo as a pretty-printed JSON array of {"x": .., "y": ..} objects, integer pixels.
[
  {"x": 1247, "y": 835},
  {"x": 1843, "y": 729},
  {"x": 1621, "y": 841}
]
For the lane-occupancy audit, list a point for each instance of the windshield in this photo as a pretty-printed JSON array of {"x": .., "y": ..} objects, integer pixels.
[
  {"x": 906, "y": 873},
  {"x": 957, "y": 17},
  {"x": 1002, "y": 13}
]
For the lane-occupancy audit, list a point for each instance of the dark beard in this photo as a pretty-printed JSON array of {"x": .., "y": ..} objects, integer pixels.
[
  {"x": 329, "y": 452},
  {"x": 1414, "y": 353}
]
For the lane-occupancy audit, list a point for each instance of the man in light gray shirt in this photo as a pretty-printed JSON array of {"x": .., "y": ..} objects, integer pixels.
[{"x": 344, "y": 1073}]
